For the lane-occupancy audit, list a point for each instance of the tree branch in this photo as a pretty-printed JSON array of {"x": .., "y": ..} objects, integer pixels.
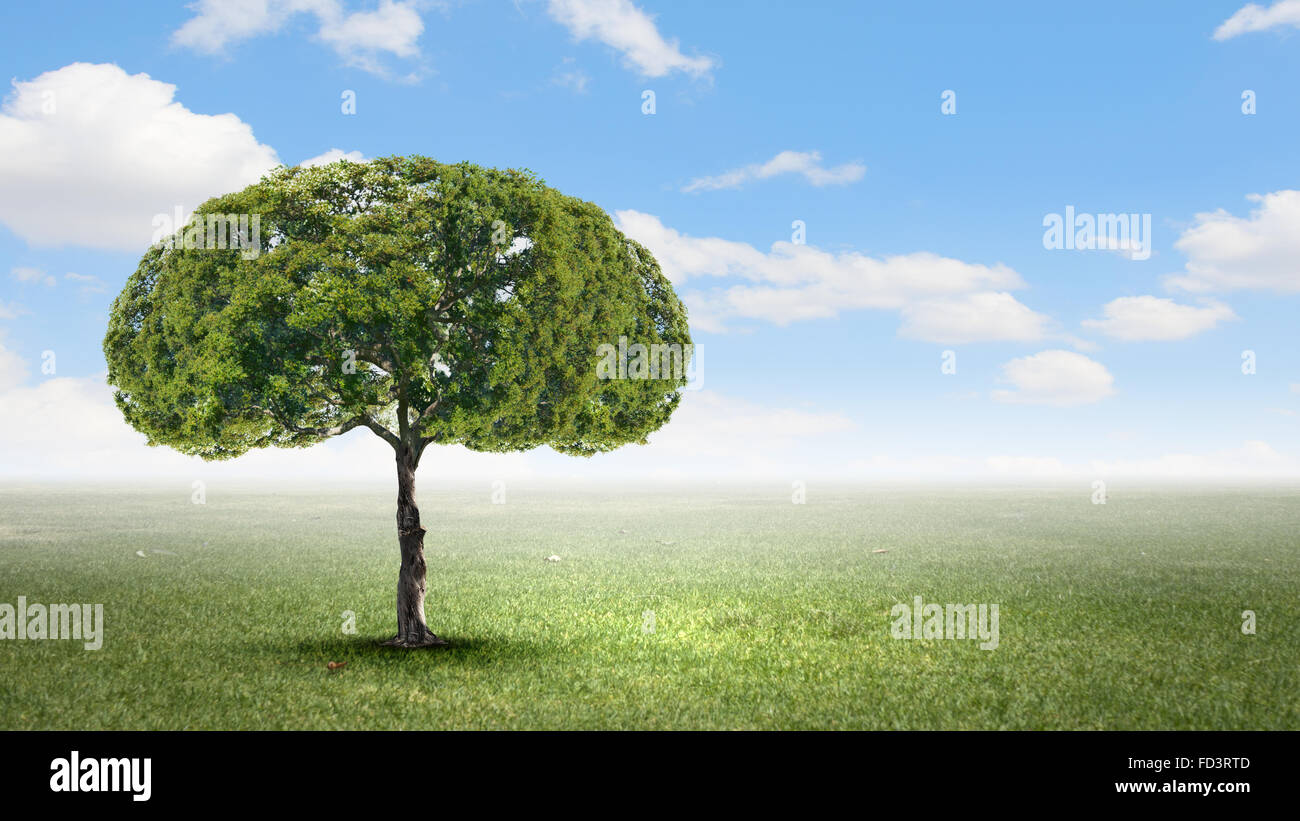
[
  {"x": 360, "y": 420},
  {"x": 337, "y": 430},
  {"x": 382, "y": 432}
]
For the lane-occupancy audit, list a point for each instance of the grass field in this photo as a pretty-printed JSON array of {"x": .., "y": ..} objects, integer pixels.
[{"x": 766, "y": 614}]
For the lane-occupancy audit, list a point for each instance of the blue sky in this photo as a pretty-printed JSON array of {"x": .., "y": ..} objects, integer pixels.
[{"x": 924, "y": 230}]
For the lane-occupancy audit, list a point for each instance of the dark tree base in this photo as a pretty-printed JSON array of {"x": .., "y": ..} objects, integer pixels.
[{"x": 428, "y": 639}]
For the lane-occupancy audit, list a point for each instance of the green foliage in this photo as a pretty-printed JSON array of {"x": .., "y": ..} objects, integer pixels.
[{"x": 472, "y": 302}]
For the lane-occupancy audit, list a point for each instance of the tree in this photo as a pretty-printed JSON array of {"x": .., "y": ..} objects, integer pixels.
[{"x": 430, "y": 303}]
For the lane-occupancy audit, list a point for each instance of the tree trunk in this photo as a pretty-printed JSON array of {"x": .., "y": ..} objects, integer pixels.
[{"x": 411, "y": 628}]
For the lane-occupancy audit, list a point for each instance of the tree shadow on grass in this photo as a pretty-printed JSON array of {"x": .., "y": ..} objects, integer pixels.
[{"x": 460, "y": 652}]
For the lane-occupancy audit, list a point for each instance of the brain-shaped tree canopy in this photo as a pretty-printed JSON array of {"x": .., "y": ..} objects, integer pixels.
[
  {"x": 461, "y": 304},
  {"x": 430, "y": 303}
]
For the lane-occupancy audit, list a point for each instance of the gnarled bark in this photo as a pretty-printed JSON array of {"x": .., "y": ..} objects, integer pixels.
[{"x": 412, "y": 631}]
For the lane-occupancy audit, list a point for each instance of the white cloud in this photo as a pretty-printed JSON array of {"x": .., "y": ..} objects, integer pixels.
[
  {"x": 1079, "y": 344},
  {"x": 1145, "y": 318},
  {"x": 333, "y": 155},
  {"x": 392, "y": 27},
  {"x": 32, "y": 275},
  {"x": 220, "y": 22},
  {"x": 89, "y": 283},
  {"x": 1057, "y": 378},
  {"x": 626, "y": 28},
  {"x": 360, "y": 38},
  {"x": 888, "y": 280},
  {"x": 804, "y": 163},
  {"x": 978, "y": 317},
  {"x": 62, "y": 423},
  {"x": 13, "y": 371},
  {"x": 11, "y": 310},
  {"x": 1259, "y": 252},
  {"x": 796, "y": 282},
  {"x": 1252, "y": 17},
  {"x": 568, "y": 76},
  {"x": 113, "y": 151},
  {"x": 575, "y": 80}
]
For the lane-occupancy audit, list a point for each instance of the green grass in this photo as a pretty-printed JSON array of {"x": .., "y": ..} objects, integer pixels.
[{"x": 767, "y": 614}]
